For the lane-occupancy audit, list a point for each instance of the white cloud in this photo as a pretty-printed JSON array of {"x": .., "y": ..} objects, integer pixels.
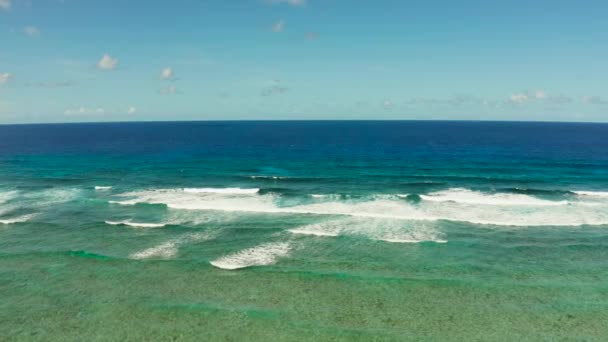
[
  {"x": 32, "y": 31},
  {"x": 5, "y": 4},
  {"x": 5, "y": 78},
  {"x": 166, "y": 74},
  {"x": 168, "y": 90},
  {"x": 107, "y": 63},
  {"x": 279, "y": 26},
  {"x": 295, "y": 3},
  {"x": 132, "y": 110},
  {"x": 84, "y": 111}
]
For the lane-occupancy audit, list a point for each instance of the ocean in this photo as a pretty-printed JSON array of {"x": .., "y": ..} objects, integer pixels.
[{"x": 312, "y": 230}]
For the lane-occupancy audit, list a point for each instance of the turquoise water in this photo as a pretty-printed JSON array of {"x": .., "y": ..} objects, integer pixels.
[{"x": 304, "y": 231}]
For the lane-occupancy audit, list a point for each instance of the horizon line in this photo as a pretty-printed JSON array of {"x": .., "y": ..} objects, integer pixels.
[{"x": 298, "y": 120}]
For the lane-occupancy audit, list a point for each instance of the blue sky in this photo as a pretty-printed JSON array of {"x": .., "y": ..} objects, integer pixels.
[{"x": 111, "y": 60}]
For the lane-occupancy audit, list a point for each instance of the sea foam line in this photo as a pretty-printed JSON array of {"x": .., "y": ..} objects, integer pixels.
[
  {"x": 466, "y": 196},
  {"x": 20, "y": 219},
  {"x": 592, "y": 193},
  {"x": 395, "y": 231},
  {"x": 169, "y": 249},
  {"x": 232, "y": 191},
  {"x": 509, "y": 211}
]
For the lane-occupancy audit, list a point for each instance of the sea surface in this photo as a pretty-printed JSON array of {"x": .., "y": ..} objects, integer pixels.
[{"x": 314, "y": 231}]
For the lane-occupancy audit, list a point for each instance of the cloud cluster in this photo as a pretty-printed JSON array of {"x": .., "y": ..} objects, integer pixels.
[
  {"x": 107, "y": 63},
  {"x": 538, "y": 96},
  {"x": 528, "y": 96}
]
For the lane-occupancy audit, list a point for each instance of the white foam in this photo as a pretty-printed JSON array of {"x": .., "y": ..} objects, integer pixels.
[
  {"x": 266, "y": 254},
  {"x": 7, "y": 196},
  {"x": 466, "y": 196},
  {"x": 103, "y": 188},
  {"x": 592, "y": 193},
  {"x": 395, "y": 231},
  {"x": 324, "y": 229},
  {"x": 233, "y": 191},
  {"x": 267, "y": 177},
  {"x": 136, "y": 224},
  {"x": 494, "y": 209},
  {"x": 168, "y": 249},
  {"x": 20, "y": 219}
]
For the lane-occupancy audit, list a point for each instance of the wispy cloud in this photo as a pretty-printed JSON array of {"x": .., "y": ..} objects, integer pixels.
[
  {"x": 279, "y": 26},
  {"x": 107, "y": 63},
  {"x": 49, "y": 84},
  {"x": 311, "y": 35},
  {"x": 32, "y": 31},
  {"x": 295, "y": 3},
  {"x": 132, "y": 110},
  {"x": 538, "y": 96},
  {"x": 274, "y": 88},
  {"x": 5, "y": 78},
  {"x": 596, "y": 100},
  {"x": 84, "y": 111},
  {"x": 457, "y": 100},
  {"x": 5, "y": 4},
  {"x": 387, "y": 104},
  {"x": 166, "y": 74},
  {"x": 168, "y": 90}
]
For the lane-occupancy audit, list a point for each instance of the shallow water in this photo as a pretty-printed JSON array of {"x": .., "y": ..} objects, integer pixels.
[{"x": 293, "y": 230}]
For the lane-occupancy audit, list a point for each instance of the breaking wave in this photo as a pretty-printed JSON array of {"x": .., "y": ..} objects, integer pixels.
[
  {"x": 452, "y": 205},
  {"x": 266, "y": 254}
]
